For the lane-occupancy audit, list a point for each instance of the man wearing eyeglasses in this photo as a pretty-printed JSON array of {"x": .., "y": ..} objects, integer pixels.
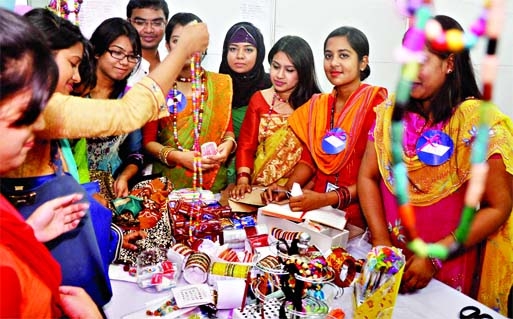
[{"x": 149, "y": 17}]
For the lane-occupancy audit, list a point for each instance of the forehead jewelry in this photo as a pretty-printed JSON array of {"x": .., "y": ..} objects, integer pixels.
[{"x": 427, "y": 29}]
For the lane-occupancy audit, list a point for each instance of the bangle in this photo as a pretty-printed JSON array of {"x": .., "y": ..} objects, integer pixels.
[
  {"x": 244, "y": 174},
  {"x": 344, "y": 197},
  {"x": 164, "y": 152},
  {"x": 338, "y": 203},
  {"x": 436, "y": 263},
  {"x": 230, "y": 138}
]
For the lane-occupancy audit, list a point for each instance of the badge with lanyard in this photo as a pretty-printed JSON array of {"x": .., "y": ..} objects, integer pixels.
[
  {"x": 334, "y": 141},
  {"x": 176, "y": 101},
  {"x": 434, "y": 147}
]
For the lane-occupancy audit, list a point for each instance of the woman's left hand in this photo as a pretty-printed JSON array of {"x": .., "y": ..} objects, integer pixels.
[
  {"x": 57, "y": 216},
  {"x": 418, "y": 272}
]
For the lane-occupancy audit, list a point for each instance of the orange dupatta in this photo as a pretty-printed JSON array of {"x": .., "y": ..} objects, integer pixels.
[{"x": 310, "y": 122}]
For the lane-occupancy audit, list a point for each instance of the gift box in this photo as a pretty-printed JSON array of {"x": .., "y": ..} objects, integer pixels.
[
  {"x": 375, "y": 292},
  {"x": 324, "y": 241}
]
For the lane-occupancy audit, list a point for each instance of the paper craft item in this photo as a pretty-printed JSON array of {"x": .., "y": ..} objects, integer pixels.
[
  {"x": 208, "y": 148},
  {"x": 327, "y": 215},
  {"x": 296, "y": 190},
  {"x": 192, "y": 295}
]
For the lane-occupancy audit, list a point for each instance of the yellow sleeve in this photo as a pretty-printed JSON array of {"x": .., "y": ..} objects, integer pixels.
[{"x": 74, "y": 117}]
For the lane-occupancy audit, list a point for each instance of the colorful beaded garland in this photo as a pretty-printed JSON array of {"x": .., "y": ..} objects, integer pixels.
[
  {"x": 427, "y": 29},
  {"x": 61, "y": 8}
]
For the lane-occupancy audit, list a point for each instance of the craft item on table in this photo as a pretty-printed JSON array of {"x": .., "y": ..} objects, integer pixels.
[
  {"x": 428, "y": 30},
  {"x": 230, "y": 293},
  {"x": 196, "y": 268},
  {"x": 192, "y": 295},
  {"x": 208, "y": 149},
  {"x": 236, "y": 270},
  {"x": 344, "y": 266},
  {"x": 268, "y": 310},
  {"x": 155, "y": 272},
  {"x": 127, "y": 208},
  {"x": 167, "y": 307},
  {"x": 296, "y": 190},
  {"x": 382, "y": 264},
  {"x": 229, "y": 255},
  {"x": 326, "y": 215},
  {"x": 309, "y": 308},
  {"x": 337, "y": 313},
  {"x": 269, "y": 263},
  {"x": 189, "y": 195},
  {"x": 258, "y": 241}
]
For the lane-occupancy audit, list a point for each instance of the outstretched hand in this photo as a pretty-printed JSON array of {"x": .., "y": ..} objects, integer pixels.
[
  {"x": 57, "y": 216},
  {"x": 77, "y": 304}
]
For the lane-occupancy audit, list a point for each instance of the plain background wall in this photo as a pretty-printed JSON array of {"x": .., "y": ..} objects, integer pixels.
[{"x": 380, "y": 20}]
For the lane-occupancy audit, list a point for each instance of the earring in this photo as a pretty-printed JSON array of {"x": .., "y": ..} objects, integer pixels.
[{"x": 449, "y": 71}]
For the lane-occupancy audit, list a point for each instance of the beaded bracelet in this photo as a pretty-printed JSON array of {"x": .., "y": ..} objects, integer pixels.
[{"x": 230, "y": 138}]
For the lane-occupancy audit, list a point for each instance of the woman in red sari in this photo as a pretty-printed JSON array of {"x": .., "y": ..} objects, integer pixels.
[{"x": 333, "y": 128}]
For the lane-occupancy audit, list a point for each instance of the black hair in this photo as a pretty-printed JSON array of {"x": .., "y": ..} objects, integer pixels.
[
  {"x": 106, "y": 33},
  {"x": 180, "y": 18},
  {"x": 244, "y": 85},
  {"x": 142, "y": 4},
  {"x": 459, "y": 84},
  {"x": 358, "y": 42},
  {"x": 59, "y": 34},
  {"x": 301, "y": 56},
  {"x": 26, "y": 62}
]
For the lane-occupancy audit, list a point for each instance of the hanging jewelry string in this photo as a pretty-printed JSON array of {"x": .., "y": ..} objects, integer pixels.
[
  {"x": 198, "y": 102},
  {"x": 451, "y": 40}
]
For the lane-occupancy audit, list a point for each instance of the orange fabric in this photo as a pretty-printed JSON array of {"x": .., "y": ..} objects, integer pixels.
[{"x": 310, "y": 122}]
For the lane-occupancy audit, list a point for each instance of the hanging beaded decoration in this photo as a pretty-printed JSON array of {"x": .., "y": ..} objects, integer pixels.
[
  {"x": 61, "y": 8},
  {"x": 198, "y": 103},
  {"x": 425, "y": 28}
]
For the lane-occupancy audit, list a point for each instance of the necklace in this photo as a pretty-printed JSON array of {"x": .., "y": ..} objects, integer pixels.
[
  {"x": 173, "y": 97},
  {"x": 275, "y": 98}
]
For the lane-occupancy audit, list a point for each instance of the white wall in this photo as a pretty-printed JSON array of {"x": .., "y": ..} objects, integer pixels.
[
  {"x": 313, "y": 20},
  {"x": 378, "y": 19}
]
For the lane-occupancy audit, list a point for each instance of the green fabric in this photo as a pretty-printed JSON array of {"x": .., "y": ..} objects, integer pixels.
[
  {"x": 80, "y": 155},
  {"x": 237, "y": 118},
  {"x": 68, "y": 158}
]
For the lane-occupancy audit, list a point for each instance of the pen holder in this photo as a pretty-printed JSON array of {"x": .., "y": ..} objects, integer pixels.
[{"x": 380, "y": 302}]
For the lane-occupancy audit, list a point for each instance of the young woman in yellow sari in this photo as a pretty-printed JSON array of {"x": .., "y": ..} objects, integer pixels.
[
  {"x": 268, "y": 150},
  {"x": 170, "y": 139},
  {"x": 333, "y": 128},
  {"x": 440, "y": 126}
]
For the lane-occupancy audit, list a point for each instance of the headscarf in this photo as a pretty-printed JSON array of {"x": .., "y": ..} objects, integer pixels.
[{"x": 244, "y": 85}]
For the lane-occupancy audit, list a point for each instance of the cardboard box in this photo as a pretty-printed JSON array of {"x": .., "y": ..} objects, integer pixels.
[{"x": 329, "y": 237}]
